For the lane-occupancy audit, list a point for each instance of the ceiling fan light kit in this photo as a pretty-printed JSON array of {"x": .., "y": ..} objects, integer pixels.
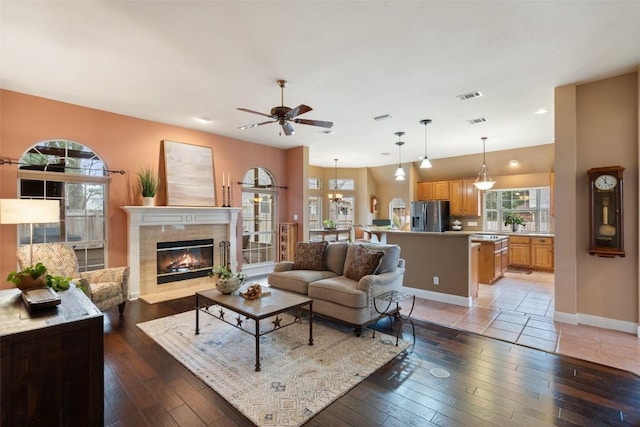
[
  {"x": 284, "y": 115},
  {"x": 484, "y": 181},
  {"x": 400, "y": 174},
  {"x": 426, "y": 164}
]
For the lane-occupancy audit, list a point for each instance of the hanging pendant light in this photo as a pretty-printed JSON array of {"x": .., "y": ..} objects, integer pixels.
[
  {"x": 335, "y": 197},
  {"x": 400, "y": 175},
  {"x": 426, "y": 164},
  {"x": 484, "y": 181}
]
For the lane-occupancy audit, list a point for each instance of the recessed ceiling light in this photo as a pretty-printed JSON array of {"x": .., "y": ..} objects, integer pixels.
[
  {"x": 542, "y": 111},
  {"x": 382, "y": 117},
  {"x": 204, "y": 119},
  {"x": 327, "y": 131},
  {"x": 386, "y": 153},
  {"x": 478, "y": 120},
  {"x": 514, "y": 163}
]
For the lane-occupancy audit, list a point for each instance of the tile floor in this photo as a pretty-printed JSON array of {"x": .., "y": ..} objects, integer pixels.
[{"x": 519, "y": 308}]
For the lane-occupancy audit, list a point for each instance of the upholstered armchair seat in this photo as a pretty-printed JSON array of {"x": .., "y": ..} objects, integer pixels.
[{"x": 106, "y": 288}]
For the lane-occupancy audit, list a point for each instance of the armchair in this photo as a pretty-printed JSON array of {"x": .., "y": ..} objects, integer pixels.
[{"x": 106, "y": 288}]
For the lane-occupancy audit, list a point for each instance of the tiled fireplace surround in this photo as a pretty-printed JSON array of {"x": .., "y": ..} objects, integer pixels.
[{"x": 148, "y": 225}]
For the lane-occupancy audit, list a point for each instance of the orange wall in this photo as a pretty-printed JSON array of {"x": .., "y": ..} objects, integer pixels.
[
  {"x": 596, "y": 125},
  {"x": 123, "y": 143}
]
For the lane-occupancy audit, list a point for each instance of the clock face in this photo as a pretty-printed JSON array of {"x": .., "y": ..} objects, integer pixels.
[{"x": 606, "y": 182}]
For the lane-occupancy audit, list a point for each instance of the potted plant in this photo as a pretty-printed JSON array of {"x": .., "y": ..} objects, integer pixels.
[
  {"x": 329, "y": 223},
  {"x": 149, "y": 183},
  {"x": 228, "y": 281},
  {"x": 514, "y": 221},
  {"x": 35, "y": 276}
]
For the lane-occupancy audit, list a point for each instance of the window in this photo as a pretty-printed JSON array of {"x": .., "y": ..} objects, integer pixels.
[
  {"x": 74, "y": 175},
  {"x": 258, "y": 218},
  {"x": 343, "y": 184},
  {"x": 315, "y": 212},
  {"x": 343, "y": 212},
  {"x": 314, "y": 183},
  {"x": 532, "y": 204}
]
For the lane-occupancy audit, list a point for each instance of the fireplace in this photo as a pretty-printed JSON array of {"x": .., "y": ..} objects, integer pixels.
[
  {"x": 150, "y": 225},
  {"x": 183, "y": 260}
]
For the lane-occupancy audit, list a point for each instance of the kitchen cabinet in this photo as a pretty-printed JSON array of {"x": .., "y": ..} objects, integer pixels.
[
  {"x": 475, "y": 260},
  {"x": 433, "y": 190},
  {"x": 531, "y": 252},
  {"x": 542, "y": 253},
  {"x": 493, "y": 259},
  {"x": 520, "y": 251},
  {"x": 464, "y": 197}
]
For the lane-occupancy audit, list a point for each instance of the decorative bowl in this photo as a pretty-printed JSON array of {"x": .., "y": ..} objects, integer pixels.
[
  {"x": 456, "y": 227},
  {"x": 228, "y": 286}
]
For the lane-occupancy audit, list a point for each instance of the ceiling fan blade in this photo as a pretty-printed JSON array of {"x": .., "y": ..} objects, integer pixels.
[
  {"x": 314, "y": 123},
  {"x": 246, "y": 110},
  {"x": 288, "y": 129},
  {"x": 255, "y": 125},
  {"x": 300, "y": 109}
]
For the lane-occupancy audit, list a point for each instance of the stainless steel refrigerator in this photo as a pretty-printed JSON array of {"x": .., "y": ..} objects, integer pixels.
[{"x": 431, "y": 215}]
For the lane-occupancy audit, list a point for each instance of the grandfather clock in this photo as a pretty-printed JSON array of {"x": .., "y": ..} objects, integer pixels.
[{"x": 606, "y": 217}]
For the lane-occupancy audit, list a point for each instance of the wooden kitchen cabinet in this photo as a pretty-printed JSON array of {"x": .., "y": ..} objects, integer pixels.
[
  {"x": 491, "y": 260},
  {"x": 433, "y": 190},
  {"x": 520, "y": 251},
  {"x": 532, "y": 252},
  {"x": 475, "y": 261},
  {"x": 464, "y": 197},
  {"x": 542, "y": 253}
]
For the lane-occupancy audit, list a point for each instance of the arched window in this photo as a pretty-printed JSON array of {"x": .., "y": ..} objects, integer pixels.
[
  {"x": 73, "y": 174},
  {"x": 259, "y": 213}
]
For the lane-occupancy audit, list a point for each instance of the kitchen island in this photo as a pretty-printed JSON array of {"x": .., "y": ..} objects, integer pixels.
[{"x": 438, "y": 265}]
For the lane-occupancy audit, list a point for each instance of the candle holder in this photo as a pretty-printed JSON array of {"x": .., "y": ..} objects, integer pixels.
[
  {"x": 228, "y": 196},
  {"x": 224, "y": 197}
]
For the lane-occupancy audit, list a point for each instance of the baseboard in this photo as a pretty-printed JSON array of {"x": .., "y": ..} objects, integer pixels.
[
  {"x": 569, "y": 318},
  {"x": 607, "y": 323},
  {"x": 598, "y": 322},
  {"x": 440, "y": 297}
]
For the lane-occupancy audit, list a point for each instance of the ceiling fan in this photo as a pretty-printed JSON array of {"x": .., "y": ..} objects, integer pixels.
[{"x": 285, "y": 115}]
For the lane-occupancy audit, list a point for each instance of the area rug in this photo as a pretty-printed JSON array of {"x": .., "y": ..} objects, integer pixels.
[{"x": 296, "y": 381}]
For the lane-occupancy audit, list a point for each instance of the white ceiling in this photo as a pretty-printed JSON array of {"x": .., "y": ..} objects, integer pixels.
[{"x": 171, "y": 61}]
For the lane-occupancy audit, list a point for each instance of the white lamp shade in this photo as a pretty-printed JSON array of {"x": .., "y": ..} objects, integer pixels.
[
  {"x": 29, "y": 211},
  {"x": 426, "y": 164},
  {"x": 400, "y": 172}
]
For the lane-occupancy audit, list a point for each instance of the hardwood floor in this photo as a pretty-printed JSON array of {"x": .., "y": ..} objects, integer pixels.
[{"x": 491, "y": 382}]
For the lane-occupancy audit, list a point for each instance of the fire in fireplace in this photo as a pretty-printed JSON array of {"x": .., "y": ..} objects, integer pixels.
[{"x": 182, "y": 260}]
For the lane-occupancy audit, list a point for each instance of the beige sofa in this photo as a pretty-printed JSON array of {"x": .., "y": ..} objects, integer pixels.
[{"x": 327, "y": 273}]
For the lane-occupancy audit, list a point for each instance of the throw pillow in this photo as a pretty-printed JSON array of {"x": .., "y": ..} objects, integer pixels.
[
  {"x": 364, "y": 262},
  {"x": 309, "y": 255}
]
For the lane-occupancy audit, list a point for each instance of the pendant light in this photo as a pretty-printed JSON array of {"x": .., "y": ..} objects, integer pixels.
[
  {"x": 335, "y": 197},
  {"x": 400, "y": 172},
  {"x": 426, "y": 164},
  {"x": 484, "y": 181}
]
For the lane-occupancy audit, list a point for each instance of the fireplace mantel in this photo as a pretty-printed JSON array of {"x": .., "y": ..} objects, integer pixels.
[{"x": 174, "y": 216}]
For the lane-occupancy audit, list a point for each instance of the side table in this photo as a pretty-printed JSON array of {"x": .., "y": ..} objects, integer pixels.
[{"x": 395, "y": 297}]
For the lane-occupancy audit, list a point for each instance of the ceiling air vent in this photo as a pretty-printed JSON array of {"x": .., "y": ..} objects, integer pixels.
[
  {"x": 469, "y": 95},
  {"x": 476, "y": 121}
]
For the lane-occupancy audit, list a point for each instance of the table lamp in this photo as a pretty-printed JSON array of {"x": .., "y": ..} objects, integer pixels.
[{"x": 29, "y": 211}]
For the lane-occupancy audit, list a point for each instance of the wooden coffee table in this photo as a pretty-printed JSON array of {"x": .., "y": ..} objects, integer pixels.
[{"x": 264, "y": 307}]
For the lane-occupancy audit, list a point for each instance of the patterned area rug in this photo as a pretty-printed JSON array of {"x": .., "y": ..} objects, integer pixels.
[{"x": 296, "y": 381}]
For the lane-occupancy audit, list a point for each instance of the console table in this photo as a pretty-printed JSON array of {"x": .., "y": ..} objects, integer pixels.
[
  {"x": 331, "y": 234},
  {"x": 51, "y": 362}
]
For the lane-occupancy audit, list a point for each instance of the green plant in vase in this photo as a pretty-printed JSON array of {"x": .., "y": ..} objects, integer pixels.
[
  {"x": 149, "y": 182},
  {"x": 35, "y": 276},
  {"x": 329, "y": 223},
  {"x": 514, "y": 221}
]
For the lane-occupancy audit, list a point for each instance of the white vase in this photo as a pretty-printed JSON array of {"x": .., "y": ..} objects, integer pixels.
[{"x": 148, "y": 201}]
